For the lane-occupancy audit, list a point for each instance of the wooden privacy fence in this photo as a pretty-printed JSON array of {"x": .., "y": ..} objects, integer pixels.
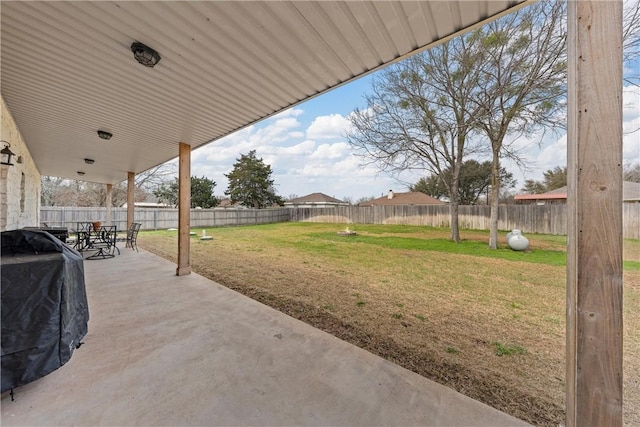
[
  {"x": 154, "y": 219},
  {"x": 545, "y": 219}
]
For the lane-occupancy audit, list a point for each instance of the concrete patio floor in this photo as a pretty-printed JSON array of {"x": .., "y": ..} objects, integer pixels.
[{"x": 177, "y": 351}]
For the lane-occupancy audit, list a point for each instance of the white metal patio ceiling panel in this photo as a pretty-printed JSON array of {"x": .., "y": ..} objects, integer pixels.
[
  {"x": 224, "y": 59},
  {"x": 67, "y": 69}
]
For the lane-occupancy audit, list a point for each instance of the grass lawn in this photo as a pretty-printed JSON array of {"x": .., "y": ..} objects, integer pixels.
[{"x": 490, "y": 324}]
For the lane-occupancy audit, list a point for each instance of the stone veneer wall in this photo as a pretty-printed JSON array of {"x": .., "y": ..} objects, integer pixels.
[{"x": 19, "y": 184}]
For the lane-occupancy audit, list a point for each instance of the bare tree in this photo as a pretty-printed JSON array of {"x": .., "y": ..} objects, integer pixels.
[
  {"x": 631, "y": 38},
  {"x": 62, "y": 192},
  {"x": 523, "y": 83},
  {"x": 363, "y": 200},
  {"x": 420, "y": 115},
  {"x": 524, "y": 87},
  {"x": 516, "y": 66},
  {"x": 631, "y": 171},
  {"x": 154, "y": 177},
  {"x": 51, "y": 186}
]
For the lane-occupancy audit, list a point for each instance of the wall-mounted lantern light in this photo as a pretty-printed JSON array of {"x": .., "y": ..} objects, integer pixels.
[
  {"x": 144, "y": 54},
  {"x": 6, "y": 154}
]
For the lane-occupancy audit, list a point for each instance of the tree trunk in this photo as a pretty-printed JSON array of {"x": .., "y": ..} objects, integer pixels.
[
  {"x": 454, "y": 203},
  {"x": 495, "y": 199},
  {"x": 455, "y": 228}
]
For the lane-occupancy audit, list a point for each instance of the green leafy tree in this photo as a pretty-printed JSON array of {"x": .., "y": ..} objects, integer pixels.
[
  {"x": 432, "y": 185},
  {"x": 250, "y": 183},
  {"x": 533, "y": 187},
  {"x": 553, "y": 179},
  {"x": 475, "y": 180},
  {"x": 168, "y": 193},
  {"x": 201, "y": 193}
]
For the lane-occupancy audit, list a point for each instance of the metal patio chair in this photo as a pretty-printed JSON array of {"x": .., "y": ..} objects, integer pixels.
[{"x": 132, "y": 236}]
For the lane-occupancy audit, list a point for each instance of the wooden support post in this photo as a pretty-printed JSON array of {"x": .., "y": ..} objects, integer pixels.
[
  {"x": 131, "y": 199},
  {"x": 594, "y": 250},
  {"x": 184, "y": 210},
  {"x": 107, "y": 203}
]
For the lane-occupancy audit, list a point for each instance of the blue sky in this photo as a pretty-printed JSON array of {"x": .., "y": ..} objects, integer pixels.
[{"x": 307, "y": 152}]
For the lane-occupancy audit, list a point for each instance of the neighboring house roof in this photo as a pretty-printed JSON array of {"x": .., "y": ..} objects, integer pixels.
[
  {"x": 558, "y": 193},
  {"x": 410, "y": 198},
  {"x": 630, "y": 193},
  {"x": 315, "y": 198}
]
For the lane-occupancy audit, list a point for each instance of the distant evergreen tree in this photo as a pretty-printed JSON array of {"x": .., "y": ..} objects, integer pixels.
[{"x": 250, "y": 183}]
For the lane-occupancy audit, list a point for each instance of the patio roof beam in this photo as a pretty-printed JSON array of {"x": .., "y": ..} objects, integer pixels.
[
  {"x": 108, "y": 203},
  {"x": 184, "y": 209},
  {"x": 131, "y": 199}
]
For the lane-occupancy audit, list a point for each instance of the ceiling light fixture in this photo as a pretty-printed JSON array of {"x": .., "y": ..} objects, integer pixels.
[
  {"x": 144, "y": 54},
  {"x": 104, "y": 134},
  {"x": 80, "y": 173},
  {"x": 89, "y": 161}
]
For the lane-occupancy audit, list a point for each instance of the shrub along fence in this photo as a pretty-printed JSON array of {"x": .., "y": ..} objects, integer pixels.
[{"x": 545, "y": 219}]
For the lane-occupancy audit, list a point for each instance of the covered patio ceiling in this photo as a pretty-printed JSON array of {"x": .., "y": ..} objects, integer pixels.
[{"x": 68, "y": 71}]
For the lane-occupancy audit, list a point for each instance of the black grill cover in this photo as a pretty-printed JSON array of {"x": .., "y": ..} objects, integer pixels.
[{"x": 44, "y": 305}]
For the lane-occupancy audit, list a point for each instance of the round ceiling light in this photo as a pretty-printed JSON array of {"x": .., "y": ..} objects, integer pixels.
[
  {"x": 104, "y": 134},
  {"x": 144, "y": 54}
]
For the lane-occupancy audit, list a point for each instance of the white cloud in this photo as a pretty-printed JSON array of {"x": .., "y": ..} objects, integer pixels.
[
  {"x": 296, "y": 134},
  {"x": 553, "y": 155},
  {"x": 338, "y": 150},
  {"x": 327, "y": 127},
  {"x": 300, "y": 166},
  {"x": 290, "y": 112},
  {"x": 631, "y": 124}
]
